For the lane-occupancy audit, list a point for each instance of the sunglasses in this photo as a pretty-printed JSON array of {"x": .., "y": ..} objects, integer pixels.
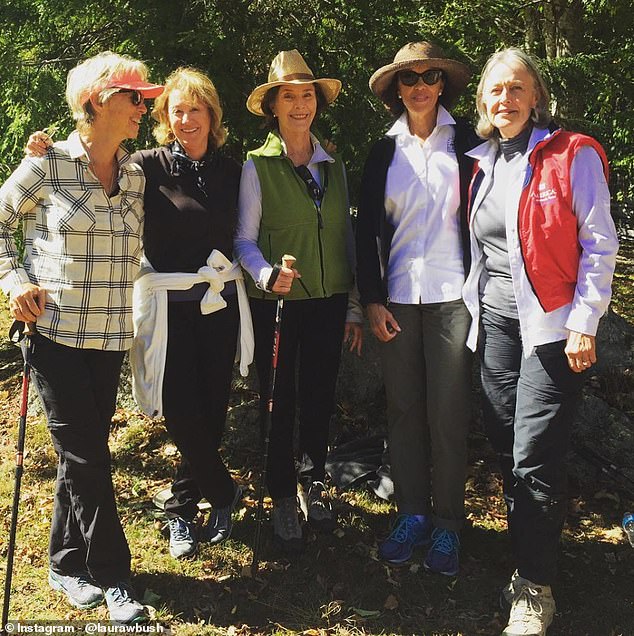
[
  {"x": 430, "y": 77},
  {"x": 136, "y": 97}
]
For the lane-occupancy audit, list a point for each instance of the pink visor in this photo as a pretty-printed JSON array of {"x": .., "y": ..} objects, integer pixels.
[{"x": 131, "y": 81}]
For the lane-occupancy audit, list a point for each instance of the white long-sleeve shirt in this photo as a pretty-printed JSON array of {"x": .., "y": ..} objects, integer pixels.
[{"x": 422, "y": 202}]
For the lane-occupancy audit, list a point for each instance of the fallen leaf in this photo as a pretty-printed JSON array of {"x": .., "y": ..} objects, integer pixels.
[
  {"x": 391, "y": 602},
  {"x": 366, "y": 613},
  {"x": 150, "y": 598}
]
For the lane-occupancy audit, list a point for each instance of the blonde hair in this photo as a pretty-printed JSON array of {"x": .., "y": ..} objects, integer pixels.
[
  {"x": 196, "y": 86},
  {"x": 92, "y": 76},
  {"x": 540, "y": 115}
]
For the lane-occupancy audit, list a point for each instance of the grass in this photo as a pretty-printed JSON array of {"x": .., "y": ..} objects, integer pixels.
[{"x": 338, "y": 587}]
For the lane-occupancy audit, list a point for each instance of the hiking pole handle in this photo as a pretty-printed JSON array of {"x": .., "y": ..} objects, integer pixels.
[{"x": 288, "y": 261}]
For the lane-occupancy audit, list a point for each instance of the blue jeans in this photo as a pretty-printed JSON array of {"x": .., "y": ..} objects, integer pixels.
[{"x": 529, "y": 405}]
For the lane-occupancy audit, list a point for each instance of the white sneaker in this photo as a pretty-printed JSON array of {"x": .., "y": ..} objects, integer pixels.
[{"x": 532, "y": 610}]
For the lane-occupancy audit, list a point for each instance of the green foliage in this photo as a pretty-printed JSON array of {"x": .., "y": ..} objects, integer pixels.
[{"x": 585, "y": 46}]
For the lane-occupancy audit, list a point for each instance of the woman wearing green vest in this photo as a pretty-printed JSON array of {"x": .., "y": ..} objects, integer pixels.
[{"x": 293, "y": 199}]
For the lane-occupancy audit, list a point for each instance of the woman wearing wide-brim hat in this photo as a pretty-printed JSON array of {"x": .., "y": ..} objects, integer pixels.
[
  {"x": 294, "y": 200},
  {"x": 412, "y": 254}
]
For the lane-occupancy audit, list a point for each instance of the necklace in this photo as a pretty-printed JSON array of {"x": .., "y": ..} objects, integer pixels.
[{"x": 108, "y": 176}]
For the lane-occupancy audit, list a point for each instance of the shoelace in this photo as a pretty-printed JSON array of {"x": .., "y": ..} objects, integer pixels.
[
  {"x": 527, "y": 606},
  {"x": 316, "y": 495},
  {"x": 179, "y": 529},
  {"x": 83, "y": 582},
  {"x": 444, "y": 541},
  {"x": 120, "y": 594},
  {"x": 403, "y": 528}
]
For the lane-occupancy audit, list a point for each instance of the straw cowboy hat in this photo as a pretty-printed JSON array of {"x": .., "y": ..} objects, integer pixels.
[
  {"x": 288, "y": 67},
  {"x": 456, "y": 74}
]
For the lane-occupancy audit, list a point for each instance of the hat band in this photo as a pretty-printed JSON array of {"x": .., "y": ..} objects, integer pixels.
[{"x": 295, "y": 76}]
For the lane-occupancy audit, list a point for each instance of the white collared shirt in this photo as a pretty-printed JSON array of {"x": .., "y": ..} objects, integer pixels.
[
  {"x": 81, "y": 245},
  {"x": 422, "y": 202}
]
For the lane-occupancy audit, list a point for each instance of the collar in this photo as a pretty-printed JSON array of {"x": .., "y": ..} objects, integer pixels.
[
  {"x": 76, "y": 149},
  {"x": 319, "y": 154},
  {"x": 486, "y": 152},
  {"x": 400, "y": 128},
  {"x": 274, "y": 146}
]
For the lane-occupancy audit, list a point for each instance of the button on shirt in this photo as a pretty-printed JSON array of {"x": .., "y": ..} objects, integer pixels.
[
  {"x": 422, "y": 201},
  {"x": 82, "y": 246}
]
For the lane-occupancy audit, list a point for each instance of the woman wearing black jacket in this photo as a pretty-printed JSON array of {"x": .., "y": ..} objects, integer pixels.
[{"x": 412, "y": 254}]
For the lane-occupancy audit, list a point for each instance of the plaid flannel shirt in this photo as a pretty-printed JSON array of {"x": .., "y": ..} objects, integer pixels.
[{"x": 81, "y": 246}]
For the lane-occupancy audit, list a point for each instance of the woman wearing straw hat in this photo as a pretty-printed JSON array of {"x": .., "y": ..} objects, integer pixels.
[
  {"x": 412, "y": 255},
  {"x": 293, "y": 199}
]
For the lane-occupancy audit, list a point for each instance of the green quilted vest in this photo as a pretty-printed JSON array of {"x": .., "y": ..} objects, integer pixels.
[{"x": 290, "y": 224}]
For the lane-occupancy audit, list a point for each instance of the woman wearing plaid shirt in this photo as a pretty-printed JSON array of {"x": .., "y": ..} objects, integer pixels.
[{"x": 81, "y": 206}]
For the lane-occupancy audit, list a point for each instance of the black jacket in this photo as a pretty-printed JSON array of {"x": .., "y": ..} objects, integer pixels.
[{"x": 373, "y": 229}]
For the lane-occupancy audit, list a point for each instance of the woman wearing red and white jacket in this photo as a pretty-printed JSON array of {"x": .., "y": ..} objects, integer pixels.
[{"x": 543, "y": 249}]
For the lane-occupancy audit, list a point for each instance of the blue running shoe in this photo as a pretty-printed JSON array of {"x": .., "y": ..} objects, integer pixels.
[
  {"x": 407, "y": 533},
  {"x": 442, "y": 557}
]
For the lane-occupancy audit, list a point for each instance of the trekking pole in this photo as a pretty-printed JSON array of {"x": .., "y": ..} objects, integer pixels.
[
  {"x": 287, "y": 261},
  {"x": 19, "y": 457}
]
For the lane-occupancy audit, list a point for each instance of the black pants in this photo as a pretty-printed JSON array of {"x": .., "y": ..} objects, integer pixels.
[
  {"x": 529, "y": 405},
  {"x": 310, "y": 345},
  {"x": 78, "y": 389},
  {"x": 196, "y": 386}
]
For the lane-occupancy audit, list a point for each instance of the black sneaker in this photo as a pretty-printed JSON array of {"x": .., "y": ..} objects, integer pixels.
[
  {"x": 320, "y": 513},
  {"x": 220, "y": 523},
  {"x": 286, "y": 529}
]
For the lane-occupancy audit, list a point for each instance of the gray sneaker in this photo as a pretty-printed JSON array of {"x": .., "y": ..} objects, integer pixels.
[
  {"x": 183, "y": 541},
  {"x": 320, "y": 514},
  {"x": 532, "y": 610},
  {"x": 220, "y": 523},
  {"x": 286, "y": 529},
  {"x": 122, "y": 606},
  {"x": 81, "y": 591}
]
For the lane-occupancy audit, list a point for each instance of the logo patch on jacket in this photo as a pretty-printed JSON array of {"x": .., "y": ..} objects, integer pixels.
[{"x": 545, "y": 193}]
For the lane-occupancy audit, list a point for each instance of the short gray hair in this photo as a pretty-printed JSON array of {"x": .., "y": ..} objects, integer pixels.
[
  {"x": 92, "y": 76},
  {"x": 540, "y": 116}
]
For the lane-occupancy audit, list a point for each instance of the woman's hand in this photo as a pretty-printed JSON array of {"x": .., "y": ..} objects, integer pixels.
[
  {"x": 580, "y": 351},
  {"x": 382, "y": 322},
  {"x": 284, "y": 280},
  {"x": 38, "y": 144},
  {"x": 353, "y": 337},
  {"x": 28, "y": 304}
]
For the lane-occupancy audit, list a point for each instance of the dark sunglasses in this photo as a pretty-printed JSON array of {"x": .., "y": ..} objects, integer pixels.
[
  {"x": 430, "y": 77},
  {"x": 136, "y": 97}
]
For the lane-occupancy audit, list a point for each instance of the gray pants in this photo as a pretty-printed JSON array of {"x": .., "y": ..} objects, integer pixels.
[{"x": 427, "y": 375}]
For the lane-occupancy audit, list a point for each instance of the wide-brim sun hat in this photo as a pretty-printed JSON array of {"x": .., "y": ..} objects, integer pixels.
[
  {"x": 456, "y": 74},
  {"x": 289, "y": 67}
]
